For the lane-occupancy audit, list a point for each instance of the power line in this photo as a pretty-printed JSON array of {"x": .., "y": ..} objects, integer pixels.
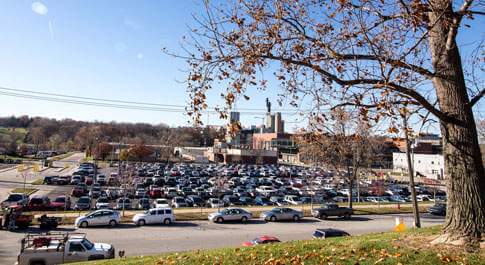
[
  {"x": 12, "y": 90},
  {"x": 105, "y": 104}
]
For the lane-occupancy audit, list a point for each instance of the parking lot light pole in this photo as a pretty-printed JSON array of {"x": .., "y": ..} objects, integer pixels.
[{"x": 417, "y": 221}]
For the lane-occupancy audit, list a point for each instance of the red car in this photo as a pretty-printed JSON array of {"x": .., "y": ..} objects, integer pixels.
[
  {"x": 155, "y": 192},
  {"x": 261, "y": 240},
  {"x": 77, "y": 192},
  {"x": 89, "y": 181},
  {"x": 61, "y": 203},
  {"x": 39, "y": 203}
]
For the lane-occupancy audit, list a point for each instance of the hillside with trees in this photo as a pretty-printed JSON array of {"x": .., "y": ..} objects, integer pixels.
[{"x": 67, "y": 135}]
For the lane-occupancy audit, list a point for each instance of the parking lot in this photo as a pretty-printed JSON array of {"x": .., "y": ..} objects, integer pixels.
[
  {"x": 142, "y": 185},
  {"x": 184, "y": 236}
]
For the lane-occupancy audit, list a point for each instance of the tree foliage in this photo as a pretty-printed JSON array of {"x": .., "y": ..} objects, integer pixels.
[{"x": 384, "y": 59}]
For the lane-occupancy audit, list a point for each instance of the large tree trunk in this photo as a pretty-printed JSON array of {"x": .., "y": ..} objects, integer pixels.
[{"x": 465, "y": 218}]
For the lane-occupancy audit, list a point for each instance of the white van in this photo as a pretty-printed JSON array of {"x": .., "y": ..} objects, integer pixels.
[{"x": 155, "y": 216}]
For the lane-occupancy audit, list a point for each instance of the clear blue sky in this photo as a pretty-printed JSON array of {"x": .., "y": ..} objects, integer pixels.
[{"x": 107, "y": 49}]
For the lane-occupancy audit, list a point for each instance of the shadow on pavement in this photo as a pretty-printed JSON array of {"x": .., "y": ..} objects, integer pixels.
[
  {"x": 37, "y": 230},
  {"x": 352, "y": 219},
  {"x": 177, "y": 224},
  {"x": 249, "y": 222}
]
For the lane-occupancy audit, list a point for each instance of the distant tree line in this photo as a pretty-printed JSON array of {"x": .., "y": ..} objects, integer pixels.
[{"x": 68, "y": 135}]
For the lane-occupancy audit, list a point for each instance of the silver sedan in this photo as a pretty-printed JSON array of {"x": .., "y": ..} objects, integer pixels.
[
  {"x": 230, "y": 214},
  {"x": 278, "y": 214}
]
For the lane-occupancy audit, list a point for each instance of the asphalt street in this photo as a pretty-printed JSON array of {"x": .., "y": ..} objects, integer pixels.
[
  {"x": 184, "y": 236},
  {"x": 11, "y": 179}
]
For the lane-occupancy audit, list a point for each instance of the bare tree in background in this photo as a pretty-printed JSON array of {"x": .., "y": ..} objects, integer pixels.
[
  {"x": 345, "y": 144},
  {"x": 376, "y": 56}
]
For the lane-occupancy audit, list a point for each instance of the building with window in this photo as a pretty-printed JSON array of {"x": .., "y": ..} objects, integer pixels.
[{"x": 425, "y": 165}]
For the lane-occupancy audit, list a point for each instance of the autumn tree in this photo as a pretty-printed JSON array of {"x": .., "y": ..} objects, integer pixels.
[
  {"x": 379, "y": 57},
  {"x": 102, "y": 150},
  {"x": 23, "y": 150},
  {"x": 140, "y": 152},
  {"x": 344, "y": 144}
]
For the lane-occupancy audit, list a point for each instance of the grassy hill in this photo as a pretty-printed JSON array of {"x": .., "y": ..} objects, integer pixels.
[
  {"x": 15, "y": 133},
  {"x": 411, "y": 247}
]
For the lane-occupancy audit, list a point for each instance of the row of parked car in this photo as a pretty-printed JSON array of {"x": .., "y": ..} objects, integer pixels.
[{"x": 165, "y": 215}]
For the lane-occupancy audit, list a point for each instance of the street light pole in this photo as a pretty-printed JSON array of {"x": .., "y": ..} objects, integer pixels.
[{"x": 417, "y": 221}]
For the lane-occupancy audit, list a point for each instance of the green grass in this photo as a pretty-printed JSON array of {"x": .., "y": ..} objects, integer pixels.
[
  {"x": 37, "y": 182},
  {"x": 27, "y": 191},
  {"x": 410, "y": 247},
  {"x": 59, "y": 157}
]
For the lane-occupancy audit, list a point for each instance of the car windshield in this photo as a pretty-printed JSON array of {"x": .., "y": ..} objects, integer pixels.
[
  {"x": 103, "y": 200},
  {"x": 14, "y": 197},
  {"x": 88, "y": 245},
  {"x": 83, "y": 200},
  {"x": 36, "y": 201},
  {"x": 60, "y": 199}
]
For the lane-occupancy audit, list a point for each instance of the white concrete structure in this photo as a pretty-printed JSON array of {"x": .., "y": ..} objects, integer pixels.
[{"x": 428, "y": 165}]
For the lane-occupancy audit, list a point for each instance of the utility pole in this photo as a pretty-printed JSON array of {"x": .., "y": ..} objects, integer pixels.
[
  {"x": 96, "y": 151},
  {"x": 417, "y": 222}
]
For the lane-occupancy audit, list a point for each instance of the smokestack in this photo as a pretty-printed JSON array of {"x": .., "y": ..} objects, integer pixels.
[{"x": 278, "y": 123}]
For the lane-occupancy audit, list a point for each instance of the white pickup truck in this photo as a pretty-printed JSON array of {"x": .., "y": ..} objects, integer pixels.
[{"x": 59, "y": 248}]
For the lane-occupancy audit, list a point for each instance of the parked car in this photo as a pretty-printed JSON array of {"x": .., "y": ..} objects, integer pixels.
[
  {"x": 230, "y": 214},
  {"x": 322, "y": 233},
  {"x": 123, "y": 203},
  {"x": 95, "y": 192},
  {"x": 15, "y": 199},
  {"x": 61, "y": 203},
  {"x": 77, "y": 192},
  {"x": 155, "y": 216},
  {"x": 179, "y": 202},
  {"x": 39, "y": 203},
  {"x": 438, "y": 209},
  {"x": 144, "y": 203},
  {"x": 102, "y": 203},
  {"x": 61, "y": 248},
  {"x": 280, "y": 214},
  {"x": 113, "y": 193},
  {"x": 84, "y": 203},
  {"x": 161, "y": 203},
  {"x": 76, "y": 179},
  {"x": 155, "y": 192},
  {"x": 332, "y": 209},
  {"x": 98, "y": 218},
  {"x": 261, "y": 240},
  {"x": 140, "y": 193},
  {"x": 262, "y": 201},
  {"x": 101, "y": 180},
  {"x": 195, "y": 201},
  {"x": 215, "y": 203},
  {"x": 63, "y": 180},
  {"x": 293, "y": 199},
  {"x": 424, "y": 198},
  {"x": 50, "y": 180}
]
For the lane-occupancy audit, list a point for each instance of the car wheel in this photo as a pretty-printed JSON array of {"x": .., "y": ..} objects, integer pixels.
[
  {"x": 167, "y": 221},
  {"x": 323, "y": 216},
  {"x": 347, "y": 216},
  {"x": 112, "y": 223},
  {"x": 296, "y": 218},
  {"x": 244, "y": 219},
  {"x": 83, "y": 224},
  {"x": 141, "y": 223},
  {"x": 272, "y": 218},
  {"x": 220, "y": 220}
]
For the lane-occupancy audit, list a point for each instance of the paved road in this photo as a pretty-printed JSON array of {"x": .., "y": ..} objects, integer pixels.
[
  {"x": 11, "y": 179},
  {"x": 184, "y": 236}
]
